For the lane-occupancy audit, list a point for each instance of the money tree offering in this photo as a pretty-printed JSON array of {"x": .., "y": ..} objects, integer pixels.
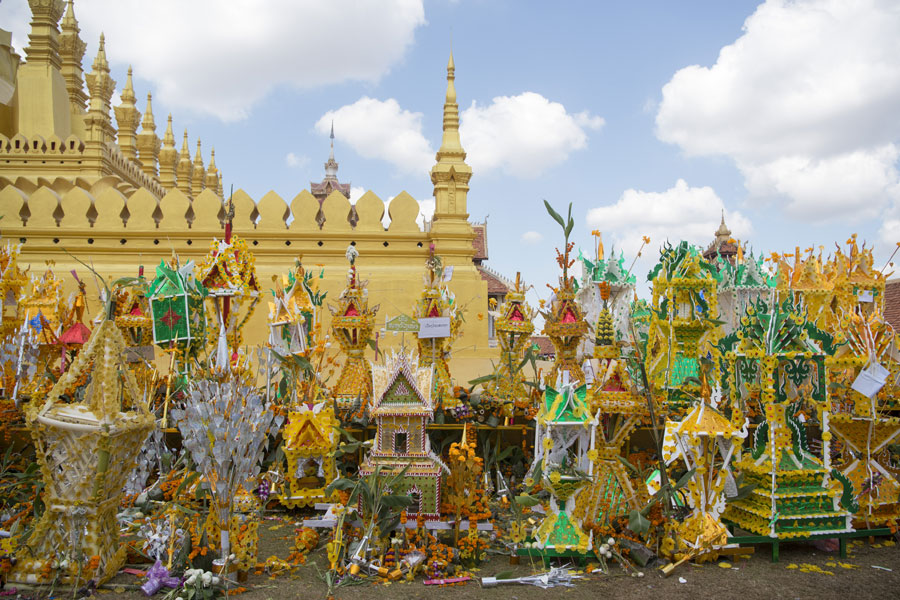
[{"x": 225, "y": 426}]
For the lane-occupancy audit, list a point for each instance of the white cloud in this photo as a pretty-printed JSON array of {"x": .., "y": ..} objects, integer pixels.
[
  {"x": 381, "y": 129},
  {"x": 356, "y": 193},
  {"x": 531, "y": 237},
  {"x": 296, "y": 160},
  {"x": 223, "y": 57},
  {"x": 426, "y": 212},
  {"x": 806, "y": 102},
  {"x": 680, "y": 213},
  {"x": 523, "y": 135}
]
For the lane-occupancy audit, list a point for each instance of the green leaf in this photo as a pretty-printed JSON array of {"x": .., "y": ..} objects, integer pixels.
[
  {"x": 185, "y": 509},
  {"x": 526, "y": 500},
  {"x": 342, "y": 484},
  {"x": 683, "y": 481},
  {"x": 628, "y": 465},
  {"x": 555, "y": 215},
  {"x": 482, "y": 379},
  {"x": 638, "y": 523},
  {"x": 188, "y": 480},
  {"x": 396, "y": 500},
  {"x": 346, "y": 434}
]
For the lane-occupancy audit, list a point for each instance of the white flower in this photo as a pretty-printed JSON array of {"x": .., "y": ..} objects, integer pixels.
[
  {"x": 215, "y": 581},
  {"x": 206, "y": 578},
  {"x": 231, "y": 556},
  {"x": 640, "y": 573},
  {"x": 191, "y": 579},
  {"x": 611, "y": 542}
]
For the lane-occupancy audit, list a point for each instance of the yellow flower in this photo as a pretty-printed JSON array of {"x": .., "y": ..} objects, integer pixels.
[
  {"x": 646, "y": 239},
  {"x": 529, "y": 482},
  {"x": 555, "y": 477},
  {"x": 548, "y": 443}
]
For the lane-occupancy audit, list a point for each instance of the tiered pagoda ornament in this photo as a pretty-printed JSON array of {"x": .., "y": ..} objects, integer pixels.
[
  {"x": 706, "y": 441},
  {"x": 44, "y": 308},
  {"x": 861, "y": 421},
  {"x": 12, "y": 333},
  {"x": 864, "y": 391},
  {"x": 401, "y": 408},
  {"x": 565, "y": 431},
  {"x": 858, "y": 285},
  {"x": 438, "y": 301},
  {"x": 352, "y": 322},
  {"x": 295, "y": 317},
  {"x": 85, "y": 450},
  {"x": 513, "y": 329},
  {"x": 621, "y": 408},
  {"x": 12, "y": 283},
  {"x": 310, "y": 439},
  {"x": 808, "y": 287},
  {"x": 564, "y": 320},
  {"x": 609, "y": 271},
  {"x": 741, "y": 283},
  {"x": 133, "y": 317},
  {"x": 43, "y": 312},
  {"x": 779, "y": 356},
  {"x": 74, "y": 333},
  {"x": 229, "y": 274},
  {"x": 683, "y": 325}
]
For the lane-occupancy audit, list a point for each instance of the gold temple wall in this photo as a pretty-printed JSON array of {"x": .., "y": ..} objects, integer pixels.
[{"x": 93, "y": 219}]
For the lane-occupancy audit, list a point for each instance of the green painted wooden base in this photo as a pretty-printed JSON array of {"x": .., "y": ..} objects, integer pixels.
[{"x": 776, "y": 542}]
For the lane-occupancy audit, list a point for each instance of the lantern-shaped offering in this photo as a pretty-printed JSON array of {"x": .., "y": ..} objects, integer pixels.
[
  {"x": 402, "y": 407},
  {"x": 683, "y": 324},
  {"x": 706, "y": 441},
  {"x": 620, "y": 408},
  {"x": 86, "y": 450},
  {"x": 352, "y": 322},
  {"x": 310, "y": 440},
  {"x": 176, "y": 307},
  {"x": 438, "y": 305},
  {"x": 513, "y": 328},
  {"x": 779, "y": 357},
  {"x": 564, "y": 438}
]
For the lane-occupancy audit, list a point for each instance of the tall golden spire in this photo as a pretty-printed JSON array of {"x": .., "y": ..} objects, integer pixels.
[
  {"x": 101, "y": 86},
  {"x": 128, "y": 117},
  {"x": 168, "y": 157},
  {"x": 44, "y": 107},
  {"x": 148, "y": 142},
  {"x": 71, "y": 52},
  {"x": 198, "y": 176},
  {"x": 450, "y": 175},
  {"x": 212, "y": 173},
  {"x": 451, "y": 147},
  {"x": 185, "y": 167},
  {"x": 43, "y": 41}
]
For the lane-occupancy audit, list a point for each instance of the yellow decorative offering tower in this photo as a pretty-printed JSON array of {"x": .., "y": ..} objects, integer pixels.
[{"x": 352, "y": 322}]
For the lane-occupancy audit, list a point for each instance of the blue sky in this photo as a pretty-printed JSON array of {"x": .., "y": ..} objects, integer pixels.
[{"x": 652, "y": 117}]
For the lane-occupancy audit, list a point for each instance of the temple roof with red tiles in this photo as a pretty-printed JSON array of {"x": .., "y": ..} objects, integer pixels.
[
  {"x": 892, "y": 303},
  {"x": 480, "y": 242}
]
